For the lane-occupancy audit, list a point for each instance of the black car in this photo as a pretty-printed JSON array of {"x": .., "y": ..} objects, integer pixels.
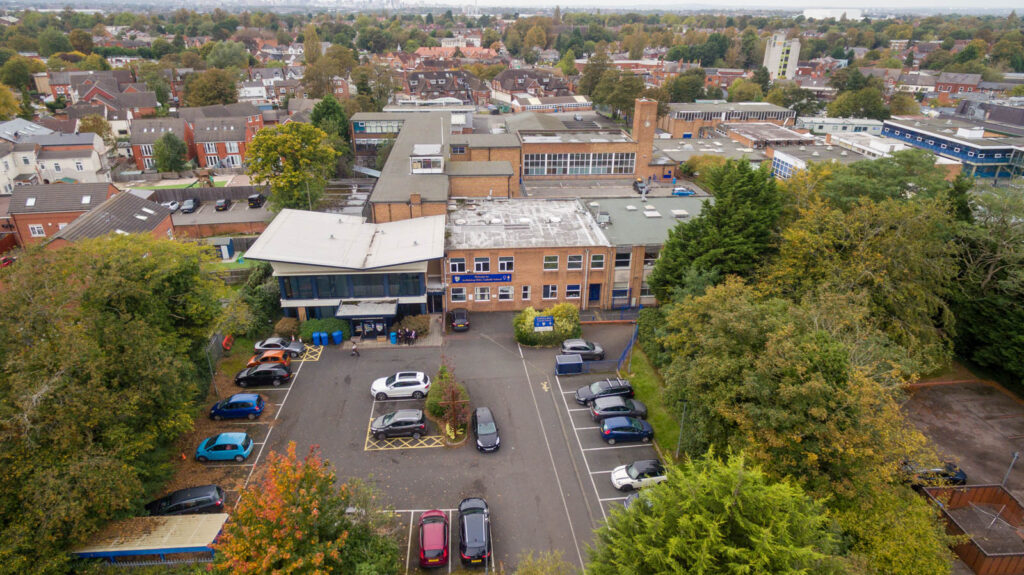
[
  {"x": 222, "y": 205},
  {"x": 264, "y": 374},
  {"x": 604, "y": 388},
  {"x": 485, "y": 430},
  {"x": 588, "y": 350},
  {"x": 190, "y": 205},
  {"x": 474, "y": 531},
  {"x": 408, "y": 422},
  {"x": 460, "y": 319},
  {"x": 947, "y": 473},
  {"x": 190, "y": 501},
  {"x": 610, "y": 406},
  {"x": 256, "y": 200}
]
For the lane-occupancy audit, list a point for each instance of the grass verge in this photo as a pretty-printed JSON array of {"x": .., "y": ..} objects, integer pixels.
[{"x": 647, "y": 385}]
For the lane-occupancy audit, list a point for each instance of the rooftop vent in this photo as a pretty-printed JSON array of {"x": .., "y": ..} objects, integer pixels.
[
  {"x": 652, "y": 213},
  {"x": 86, "y": 199},
  {"x": 460, "y": 222},
  {"x": 555, "y": 220},
  {"x": 680, "y": 214},
  {"x": 141, "y": 217},
  {"x": 495, "y": 220},
  {"x": 630, "y": 208},
  {"x": 524, "y": 220}
]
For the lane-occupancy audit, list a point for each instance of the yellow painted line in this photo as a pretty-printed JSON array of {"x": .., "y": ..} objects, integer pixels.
[
  {"x": 426, "y": 442},
  {"x": 312, "y": 353}
]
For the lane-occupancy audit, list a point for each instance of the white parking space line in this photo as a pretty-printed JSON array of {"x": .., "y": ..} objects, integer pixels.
[
  {"x": 599, "y": 472},
  {"x": 579, "y": 408},
  {"x": 566, "y": 392},
  {"x": 582, "y": 428},
  {"x": 257, "y": 460},
  {"x": 282, "y": 388},
  {"x": 614, "y": 499},
  {"x": 617, "y": 447},
  {"x": 580, "y": 445},
  {"x": 408, "y": 551}
]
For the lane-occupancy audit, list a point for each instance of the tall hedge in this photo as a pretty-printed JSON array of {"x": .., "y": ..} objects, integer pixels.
[{"x": 567, "y": 325}]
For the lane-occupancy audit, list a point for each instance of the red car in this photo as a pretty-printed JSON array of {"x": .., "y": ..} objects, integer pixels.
[
  {"x": 433, "y": 539},
  {"x": 7, "y": 261}
]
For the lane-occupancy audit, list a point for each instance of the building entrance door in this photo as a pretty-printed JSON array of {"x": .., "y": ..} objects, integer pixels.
[{"x": 595, "y": 293}]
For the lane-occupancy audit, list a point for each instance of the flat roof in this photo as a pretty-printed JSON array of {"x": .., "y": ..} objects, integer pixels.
[
  {"x": 502, "y": 168},
  {"x": 347, "y": 242},
  {"x": 682, "y": 150},
  {"x": 486, "y": 140},
  {"x": 533, "y": 121},
  {"x": 948, "y": 128},
  {"x": 727, "y": 107},
  {"x": 765, "y": 132},
  {"x": 396, "y": 181},
  {"x": 808, "y": 120},
  {"x": 574, "y": 136},
  {"x": 522, "y": 223},
  {"x": 821, "y": 153},
  {"x": 631, "y": 222},
  {"x": 151, "y": 535}
]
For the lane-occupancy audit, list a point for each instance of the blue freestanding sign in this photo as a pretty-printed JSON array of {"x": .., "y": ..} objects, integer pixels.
[{"x": 544, "y": 323}]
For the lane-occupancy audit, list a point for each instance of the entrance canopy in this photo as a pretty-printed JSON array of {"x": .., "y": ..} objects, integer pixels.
[{"x": 367, "y": 308}]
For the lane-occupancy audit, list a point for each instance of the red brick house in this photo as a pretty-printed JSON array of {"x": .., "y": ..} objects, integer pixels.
[
  {"x": 146, "y": 132},
  {"x": 39, "y": 212},
  {"x": 954, "y": 83},
  {"x": 122, "y": 213}
]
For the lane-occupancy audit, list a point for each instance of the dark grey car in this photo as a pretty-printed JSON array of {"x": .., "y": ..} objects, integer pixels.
[
  {"x": 605, "y": 407},
  {"x": 189, "y": 501},
  {"x": 485, "y": 430},
  {"x": 404, "y": 422}
]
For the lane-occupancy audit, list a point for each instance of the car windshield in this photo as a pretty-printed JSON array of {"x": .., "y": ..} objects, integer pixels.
[
  {"x": 210, "y": 443},
  {"x": 598, "y": 386},
  {"x": 632, "y": 471},
  {"x": 391, "y": 379},
  {"x": 486, "y": 428},
  {"x": 433, "y": 519},
  {"x": 387, "y": 419}
]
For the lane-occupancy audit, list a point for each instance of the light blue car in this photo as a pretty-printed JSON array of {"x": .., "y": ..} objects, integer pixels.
[{"x": 225, "y": 447}]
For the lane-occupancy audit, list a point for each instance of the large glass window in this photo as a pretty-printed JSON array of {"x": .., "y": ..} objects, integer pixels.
[
  {"x": 404, "y": 285},
  {"x": 574, "y": 263},
  {"x": 601, "y": 163},
  {"x": 457, "y": 265},
  {"x": 302, "y": 287},
  {"x": 370, "y": 285},
  {"x": 650, "y": 256},
  {"x": 597, "y": 261},
  {"x": 579, "y": 163},
  {"x": 506, "y": 264},
  {"x": 458, "y": 294},
  {"x": 624, "y": 163},
  {"x": 329, "y": 286},
  {"x": 505, "y": 293},
  {"x": 483, "y": 293},
  {"x": 572, "y": 291},
  {"x": 533, "y": 164},
  {"x": 558, "y": 164}
]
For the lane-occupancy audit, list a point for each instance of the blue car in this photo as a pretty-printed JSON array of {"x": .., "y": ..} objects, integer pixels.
[
  {"x": 239, "y": 405},
  {"x": 616, "y": 429},
  {"x": 225, "y": 447},
  {"x": 680, "y": 191}
]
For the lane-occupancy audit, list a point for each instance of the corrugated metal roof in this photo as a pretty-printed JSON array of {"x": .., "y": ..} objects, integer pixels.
[{"x": 123, "y": 213}]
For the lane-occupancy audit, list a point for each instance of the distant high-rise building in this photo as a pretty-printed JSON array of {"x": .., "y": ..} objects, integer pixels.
[
  {"x": 781, "y": 56},
  {"x": 837, "y": 13}
]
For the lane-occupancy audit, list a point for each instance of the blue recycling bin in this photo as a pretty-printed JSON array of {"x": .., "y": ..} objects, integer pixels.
[
  {"x": 338, "y": 337},
  {"x": 570, "y": 364},
  {"x": 394, "y": 338},
  {"x": 316, "y": 338},
  {"x": 324, "y": 339}
]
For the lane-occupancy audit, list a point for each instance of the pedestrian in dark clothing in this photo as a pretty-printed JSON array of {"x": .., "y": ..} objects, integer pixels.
[
  {"x": 355, "y": 349},
  {"x": 412, "y": 337}
]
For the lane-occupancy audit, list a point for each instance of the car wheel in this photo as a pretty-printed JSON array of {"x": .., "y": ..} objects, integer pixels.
[
  {"x": 600, "y": 357},
  {"x": 239, "y": 458},
  {"x": 243, "y": 384},
  {"x": 294, "y": 354},
  {"x": 417, "y": 395},
  {"x": 382, "y": 396},
  {"x": 645, "y": 439},
  {"x": 382, "y": 436},
  {"x": 251, "y": 416},
  {"x": 277, "y": 382},
  {"x": 611, "y": 441},
  {"x": 217, "y": 418},
  {"x": 202, "y": 459},
  {"x": 416, "y": 435},
  {"x": 626, "y": 487}
]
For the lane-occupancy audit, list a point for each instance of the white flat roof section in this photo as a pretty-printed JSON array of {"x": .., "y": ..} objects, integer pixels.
[
  {"x": 155, "y": 535},
  {"x": 348, "y": 242},
  {"x": 522, "y": 223}
]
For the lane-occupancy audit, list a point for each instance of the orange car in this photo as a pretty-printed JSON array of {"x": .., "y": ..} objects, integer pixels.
[{"x": 272, "y": 356}]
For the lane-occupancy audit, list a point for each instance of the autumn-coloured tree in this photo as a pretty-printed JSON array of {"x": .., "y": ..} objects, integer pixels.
[
  {"x": 294, "y": 159},
  {"x": 97, "y": 125},
  {"x": 298, "y": 520}
]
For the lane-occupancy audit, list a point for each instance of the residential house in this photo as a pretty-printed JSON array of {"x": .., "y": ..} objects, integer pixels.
[
  {"x": 724, "y": 77},
  {"x": 146, "y": 132},
  {"x": 510, "y": 83},
  {"x": 221, "y": 142},
  {"x": 16, "y": 129},
  {"x": 69, "y": 158},
  {"x": 956, "y": 83},
  {"x": 457, "y": 84},
  {"x": 71, "y": 84},
  {"x": 122, "y": 213},
  {"x": 915, "y": 82},
  {"x": 39, "y": 212}
]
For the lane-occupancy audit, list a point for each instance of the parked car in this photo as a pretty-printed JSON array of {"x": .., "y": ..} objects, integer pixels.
[
  {"x": 239, "y": 405},
  {"x": 225, "y": 447},
  {"x": 294, "y": 348},
  {"x": 433, "y": 538},
  {"x": 7, "y": 261},
  {"x": 414, "y": 384},
  {"x": 275, "y": 374},
  {"x": 189, "y": 501},
  {"x": 256, "y": 200},
  {"x": 948, "y": 473},
  {"x": 272, "y": 356},
  {"x": 485, "y": 430},
  {"x": 616, "y": 429},
  {"x": 460, "y": 319},
  {"x": 681, "y": 191},
  {"x": 610, "y": 406},
  {"x": 588, "y": 350},
  {"x": 171, "y": 205},
  {"x": 643, "y": 473},
  {"x": 222, "y": 204},
  {"x": 404, "y": 422},
  {"x": 604, "y": 388},
  {"x": 474, "y": 531},
  {"x": 577, "y": 117},
  {"x": 190, "y": 205}
]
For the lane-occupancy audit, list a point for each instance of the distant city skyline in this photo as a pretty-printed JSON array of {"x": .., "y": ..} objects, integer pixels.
[{"x": 882, "y": 5}]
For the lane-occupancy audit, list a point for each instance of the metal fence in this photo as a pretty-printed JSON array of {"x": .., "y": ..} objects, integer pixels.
[
  {"x": 613, "y": 365},
  {"x": 629, "y": 314}
]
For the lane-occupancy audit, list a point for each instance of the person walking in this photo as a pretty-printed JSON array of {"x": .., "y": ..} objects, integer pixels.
[
  {"x": 355, "y": 349},
  {"x": 411, "y": 337}
]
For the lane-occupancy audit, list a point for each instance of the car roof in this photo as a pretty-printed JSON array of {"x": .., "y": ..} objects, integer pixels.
[
  {"x": 472, "y": 503},
  {"x": 646, "y": 464},
  {"x": 271, "y": 352},
  {"x": 192, "y": 492},
  {"x": 618, "y": 421},
  {"x": 574, "y": 341},
  {"x": 484, "y": 414},
  {"x": 609, "y": 401},
  {"x": 230, "y": 437},
  {"x": 270, "y": 366},
  {"x": 408, "y": 414},
  {"x": 244, "y": 397}
]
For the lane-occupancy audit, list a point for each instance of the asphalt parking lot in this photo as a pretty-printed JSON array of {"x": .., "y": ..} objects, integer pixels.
[
  {"x": 238, "y": 211},
  {"x": 547, "y": 486}
]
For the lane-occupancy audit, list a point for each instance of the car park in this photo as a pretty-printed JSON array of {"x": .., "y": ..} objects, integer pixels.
[
  {"x": 414, "y": 384},
  {"x": 404, "y": 422},
  {"x": 623, "y": 429},
  {"x": 642, "y": 473},
  {"x": 225, "y": 447},
  {"x": 433, "y": 539},
  {"x": 604, "y": 388},
  {"x": 190, "y": 205},
  {"x": 474, "y": 531},
  {"x": 189, "y": 501},
  {"x": 171, "y": 205},
  {"x": 256, "y": 200},
  {"x": 272, "y": 356},
  {"x": 275, "y": 374},
  {"x": 485, "y": 430},
  {"x": 238, "y": 406},
  {"x": 681, "y": 191},
  {"x": 588, "y": 350},
  {"x": 294, "y": 348},
  {"x": 459, "y": 319},
  {"x": 222, "y": 205},
  {"x": 602, "y": 408}
]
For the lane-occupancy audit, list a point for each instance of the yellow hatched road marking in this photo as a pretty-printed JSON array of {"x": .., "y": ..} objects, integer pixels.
[
  {"x": 311, "y": 353},
  {"x": 425, "y": 442}
]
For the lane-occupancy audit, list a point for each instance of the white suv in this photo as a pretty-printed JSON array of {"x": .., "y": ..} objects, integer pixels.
[{"x": 414, "y": 384}]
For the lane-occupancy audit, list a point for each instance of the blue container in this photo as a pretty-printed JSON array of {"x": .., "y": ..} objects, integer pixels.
[
  {"x": 316, "y": 338},
  {"x": 568, "y": 364},
  {"x": 394, "y": 338},
  {"x": 324, "y": 339},
  {"x": 338, "y": 337}
]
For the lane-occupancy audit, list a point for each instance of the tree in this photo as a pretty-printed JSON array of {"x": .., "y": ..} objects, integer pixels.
[
  {"x": 86, "y": 419},
  {"x": 81, "y": 40},
  {"x": 17, "y": 72},
  {"x": 717, "y": 517},
  {"x": 295, "y": 159},
  {"x": 863, "y": 103},
  {"x": 731, "y": 235},
  {"x": 52, "y": 41},
  {"x": 762, "y": 78},
  {"x": 597, "y": 65},
  {"x": 210, "y": 87},
  {"x": 311, "y": 49},
  {"x": 903, "y": 104},
  {"x": 903, "y": 175},
  {"x": 300, "y": 497},
  {"x": 8, "y": 103},
  {"x": 536, "y": 37},
  {"x": 329, "y": 112},
  {"x": 95, "y": 124},
  {"x": 383, "y": 153},
  {"x": 170, "y": 152},
  {"x": 792, "y": 96},
  {"x": 228, "y": 55},
  {"x": 568, "y": 64},
  {"x": 94, "y": 62},
  {"x": 687, "y": 87},
  {"x": 745, "y": 91}
]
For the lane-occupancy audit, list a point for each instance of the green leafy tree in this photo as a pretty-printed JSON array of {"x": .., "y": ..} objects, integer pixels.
[
  {"x": 717, "y": 517},
  {"x": 311, "y": 45},
  {"x": 301, "y": 497},
  {"x": 792, "y": 96},
  {"x": 81, "y": 40},
  {"x": 9, "y": 106},
  {"x": 210, "y": 87},
  {"x": 294, "y": 159},
  {"x": 329, "y": 113},
  {"x": 52, "y": 41},
  {"x": 762, "y": 78},
  {"x": 731, "y": 235},
  {"x": 903, "y": 104},
  {"x": 687, "y": 86},
  {"x": 863, "y": 103},
  {"x": 546, "y": 563},
  {"x": 17, "y": 72},
  {"x": 597, "y": 65},
  {"x": 96, "y": 345},
  {"x": 903, "y": 175},
  {"x": 568, "y": 64},
  {"x": 228, "y": 55},
  {"x": 169, "y": 153},
  {"x": 745, "y": 91},
  {"x": 95, "y": 124}
]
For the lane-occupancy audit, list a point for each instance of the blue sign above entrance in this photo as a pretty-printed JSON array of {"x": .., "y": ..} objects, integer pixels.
[{"x": 480, "y": 278}]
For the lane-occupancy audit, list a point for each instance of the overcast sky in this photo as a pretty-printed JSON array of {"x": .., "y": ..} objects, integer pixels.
[{"x": 947, "y": 6}]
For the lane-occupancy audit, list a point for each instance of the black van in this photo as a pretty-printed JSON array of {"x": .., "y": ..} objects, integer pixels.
[
  {"x": 203, "y": 499},
  {"x": 256, "y": 200}
]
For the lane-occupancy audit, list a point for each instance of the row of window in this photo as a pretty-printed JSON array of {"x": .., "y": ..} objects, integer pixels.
[
  {"x": 211, "y": 147},
  {"x": 355, "y": 286},
  {"x": 578, "y": 164},
  {"x": 551, "y": 263},
  {"x": 908, "y": 135},
  {"x": 38, "y": 231},
  {"x": 505, "y": 293}
]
